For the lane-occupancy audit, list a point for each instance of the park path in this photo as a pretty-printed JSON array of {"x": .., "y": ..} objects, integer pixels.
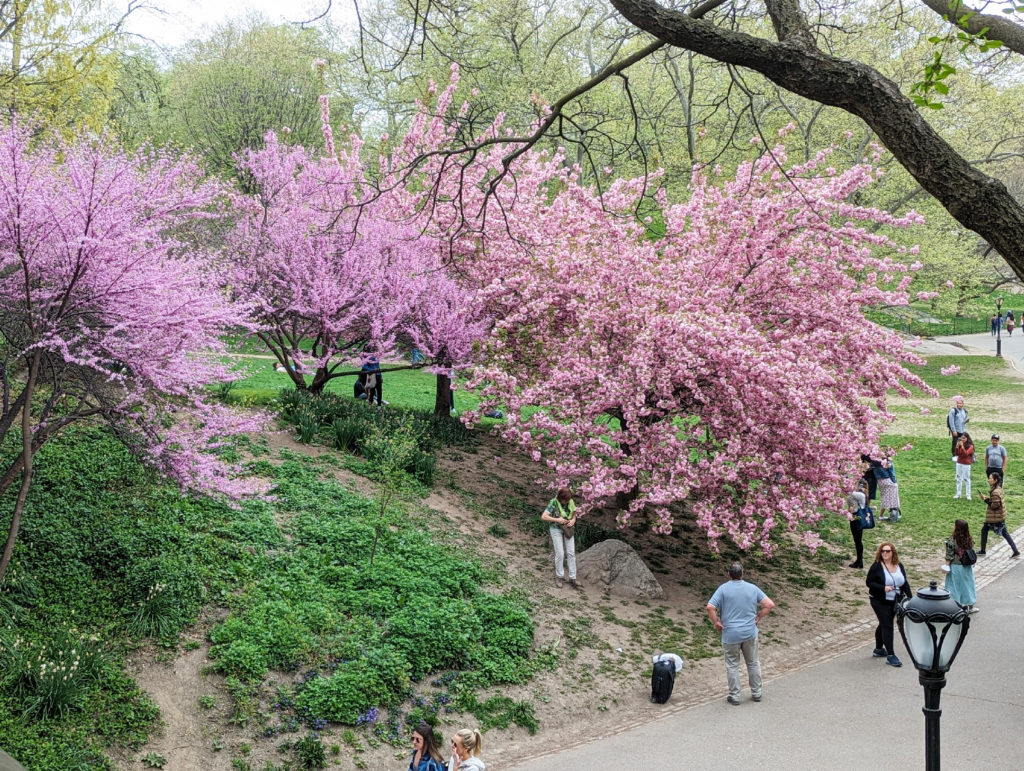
[{"x": 843, "y": 709}]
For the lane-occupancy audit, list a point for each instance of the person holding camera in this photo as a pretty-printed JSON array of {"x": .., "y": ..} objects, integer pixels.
[
  {"x": 995, "y": 514},
  {"x": 560, "y": 514}
]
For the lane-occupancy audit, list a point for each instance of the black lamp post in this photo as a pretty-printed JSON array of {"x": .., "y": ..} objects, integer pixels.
[
  {"x": 999, "y": 327},
  {"x": 933, "y": 628}
]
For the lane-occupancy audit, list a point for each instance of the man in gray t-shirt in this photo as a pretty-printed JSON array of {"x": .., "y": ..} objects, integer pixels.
[
  {"x": 735, "y": 609},
  {"x": 995, "y": 458}
]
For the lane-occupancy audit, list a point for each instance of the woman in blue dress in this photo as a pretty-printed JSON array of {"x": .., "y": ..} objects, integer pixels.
[{"x": 960, "y": 578}]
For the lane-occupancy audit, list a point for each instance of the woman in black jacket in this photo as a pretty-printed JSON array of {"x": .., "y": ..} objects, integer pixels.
[{"x": 886, "y": 581}]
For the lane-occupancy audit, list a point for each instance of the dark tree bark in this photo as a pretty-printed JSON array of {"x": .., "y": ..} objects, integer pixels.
[
  {"x": 990, "y": 26},
  {"x": 977, "y": 201},
  {"x": 443, "y": 396}
]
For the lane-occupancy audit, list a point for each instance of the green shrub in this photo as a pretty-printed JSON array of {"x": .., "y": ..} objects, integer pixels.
[
  {"x": 308, "y": 427},
  {"x": 51, "y": 676},
  {"x": 310, "y": 752},
  {"x": 434, "y": 636},
  {"x": 376, "y": 679}
]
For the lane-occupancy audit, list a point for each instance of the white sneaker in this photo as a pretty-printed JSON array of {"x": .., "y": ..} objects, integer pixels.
[
  {"x": 955, "y": 497},
  {"x": 968, "y": 497},
  {"x": 954, "y": 459}
]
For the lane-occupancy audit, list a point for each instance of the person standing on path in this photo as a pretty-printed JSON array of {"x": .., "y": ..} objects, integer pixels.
[
  {"x": 964, "y": 454},
  {"x": 995, "y": 514},
  {"x": 735, "y": 610},
  {"x": 886, "y": 581},
  {"x": 995, "y": 458},
  {"x": 957, "y": 421},
  {"x": 960, "y": 578},
  {"x": 560, "y": 514},
  {"x": 856, "y": 501}
]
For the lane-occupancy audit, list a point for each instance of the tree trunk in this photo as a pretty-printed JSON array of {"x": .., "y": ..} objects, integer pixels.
[
  {"x": 443, "y": 401},
  {"x": 26, "y": 473}
]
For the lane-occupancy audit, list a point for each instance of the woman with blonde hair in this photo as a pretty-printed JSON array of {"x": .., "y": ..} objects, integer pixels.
[
  {"x": 886, "y": 581},
  {"x": 466, "y": 746}
]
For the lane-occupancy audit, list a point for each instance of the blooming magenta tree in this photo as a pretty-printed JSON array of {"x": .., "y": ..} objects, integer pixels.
[
  {"x": 105, "y": 311},
  {"x": 727, "y": 363},
  {"x": 336, "y": 270}
]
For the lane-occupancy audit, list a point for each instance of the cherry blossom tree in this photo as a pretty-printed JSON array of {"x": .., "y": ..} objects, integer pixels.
[
  {"x": 718, "y": 356},
  {"x": 727, "y": 363},
  {"x": 107, "y": 312},
  {"x": 337, "y": 270}
]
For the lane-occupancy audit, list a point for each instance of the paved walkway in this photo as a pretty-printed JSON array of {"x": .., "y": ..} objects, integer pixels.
[{"x": 850, "y": 711}]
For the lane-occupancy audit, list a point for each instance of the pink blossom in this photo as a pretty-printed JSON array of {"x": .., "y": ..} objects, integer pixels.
[{"x": 950, "y": 370}]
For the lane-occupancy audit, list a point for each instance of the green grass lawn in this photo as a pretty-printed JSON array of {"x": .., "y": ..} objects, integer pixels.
[
  {"x": 412, "y": 388},
  {"x": 925, "y": 472}
]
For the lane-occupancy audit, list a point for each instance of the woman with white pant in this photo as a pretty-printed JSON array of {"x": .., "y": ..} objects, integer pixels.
[
  {"x": 560, "y": 514},
  {"x": 964, "y": 458}
]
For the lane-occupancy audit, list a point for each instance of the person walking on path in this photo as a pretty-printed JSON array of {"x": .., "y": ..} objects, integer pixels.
[
  {"x": 995, "y": 458},
  {"x": 964, "y": 454},
  {"x": 960, "y": 578},
  {"x": 886, "y": 581},
  {"x": 735, "y": 610},
  {"x": 995, "y": 514},
  {"x": 426, "y": 756},
  {"x": 466, "y": 746},
  {"x": 957, "y": 421},
  {"x": 856, "y": 501},
  {"x": 560, "y": 514}
]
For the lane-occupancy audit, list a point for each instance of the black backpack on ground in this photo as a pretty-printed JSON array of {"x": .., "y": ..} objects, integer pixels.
[{"x": 662, "y": 680}]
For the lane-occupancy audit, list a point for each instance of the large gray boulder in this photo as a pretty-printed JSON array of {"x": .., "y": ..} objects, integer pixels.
[{"x": 616, "y": 567}]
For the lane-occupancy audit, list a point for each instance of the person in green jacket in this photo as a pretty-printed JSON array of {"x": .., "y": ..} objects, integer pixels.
[{"x": 560, "y": 515}]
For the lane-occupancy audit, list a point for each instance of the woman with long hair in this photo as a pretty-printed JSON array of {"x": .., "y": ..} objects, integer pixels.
[
  {"x": 886, "y": 581},
  {"x": 995, "y": 514},
  {"x": 426, "y": 755},
  {"x": 964, "y": 453},
  {"x": 960, "y": 578}
]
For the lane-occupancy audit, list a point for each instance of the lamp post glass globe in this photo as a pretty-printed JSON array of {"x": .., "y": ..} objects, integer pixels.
[{"x": 933, "y": 628}]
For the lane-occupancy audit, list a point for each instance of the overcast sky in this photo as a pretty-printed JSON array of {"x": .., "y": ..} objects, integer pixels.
[{"x": 186, "y": 19}]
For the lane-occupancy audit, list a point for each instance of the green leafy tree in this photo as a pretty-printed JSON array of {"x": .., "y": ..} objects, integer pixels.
[
  {"x": 58, "y": 58},
  {"x": 224, "y": 93}
]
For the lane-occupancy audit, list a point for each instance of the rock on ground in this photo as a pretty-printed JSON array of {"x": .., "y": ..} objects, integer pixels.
[{"x": 616, "y": 568}]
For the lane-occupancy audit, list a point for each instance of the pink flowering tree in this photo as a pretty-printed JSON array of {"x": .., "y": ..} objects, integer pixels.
[
  {"x": 336, "y": 270},
  {"x": 106, "y": 313},
  {"x": 726, "y": 362}
]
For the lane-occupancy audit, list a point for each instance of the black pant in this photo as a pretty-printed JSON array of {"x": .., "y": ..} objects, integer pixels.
[
  {"x": 990, "y": 470},
  {"x": 1003, "y": 531},
  {"x": 885, "y": 612},
  {"x": 858, "y": 539}
]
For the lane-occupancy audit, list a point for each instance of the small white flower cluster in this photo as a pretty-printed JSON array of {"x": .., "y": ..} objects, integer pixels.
[{"x": 154, "y": 591}]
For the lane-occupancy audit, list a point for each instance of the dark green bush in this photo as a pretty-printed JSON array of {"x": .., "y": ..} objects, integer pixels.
[{"x": 378, "y": 679}]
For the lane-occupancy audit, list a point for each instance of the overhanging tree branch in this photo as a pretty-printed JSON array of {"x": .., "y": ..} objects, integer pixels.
[
  {"x": 984, "y": 25},
  {"x": 979, "y": 202}
]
